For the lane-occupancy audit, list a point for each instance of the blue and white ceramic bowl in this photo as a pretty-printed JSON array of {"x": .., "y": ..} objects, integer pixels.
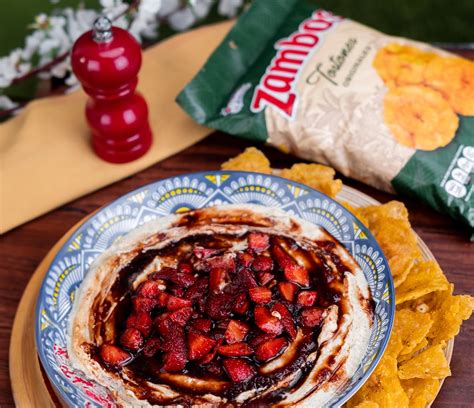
[{"x": 176, "y": 195}]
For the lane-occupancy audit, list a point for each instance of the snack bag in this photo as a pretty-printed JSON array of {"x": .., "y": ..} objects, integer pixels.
[{"x": 391, "y": 112}]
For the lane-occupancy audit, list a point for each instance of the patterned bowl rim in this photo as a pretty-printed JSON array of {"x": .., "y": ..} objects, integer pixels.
[{"x": 344, "y": 396}]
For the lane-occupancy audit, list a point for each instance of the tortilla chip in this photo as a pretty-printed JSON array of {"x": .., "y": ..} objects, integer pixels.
[
  {"x": 394, "y": 344},
  {"x": 368, "y": 404},
  {"x": 420, "y": 347},
  {"x": 251, "y": 159},
  {"x": 425, "y": 277},
  {"x": 383, "y": 387},
  {"x": 392, "y": 209},
  {"x": 412, "y": 328},
  {"x": 430, "y": 363},
  {"x": 316, "y": 176},
  {"x": 421, "y": 392},
  {"x": 449, "y": 315}
]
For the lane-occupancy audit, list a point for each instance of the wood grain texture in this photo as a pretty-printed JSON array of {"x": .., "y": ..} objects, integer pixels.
[{"x": 22, "y": 249}]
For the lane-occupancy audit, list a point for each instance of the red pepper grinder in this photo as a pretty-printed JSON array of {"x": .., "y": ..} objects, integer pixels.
[{"x": 106, "y": 60}]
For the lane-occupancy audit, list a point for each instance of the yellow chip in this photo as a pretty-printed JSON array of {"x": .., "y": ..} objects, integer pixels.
[
  {"x": 420, "y": 347},
  {"x": 401, "y": 64},
  {"x": 454, "y": 78},
  {"x": 430, "y": 363},
  {"x": 368, "y": 404},
  {"x": 420, "y": 392},
  {"x": 425, "y": 277},
  {"x": 316, "y": 176},
  {"x": 419, "y": 117},
  {"x": 251, "y": 159},
  {"x": 412, "y": 328},
  {"x": 394, "y": 344},
  {"x": 383, "y": 387},
  {"x": 392, "y": 209},
  {"x": 449, "y": 315}
]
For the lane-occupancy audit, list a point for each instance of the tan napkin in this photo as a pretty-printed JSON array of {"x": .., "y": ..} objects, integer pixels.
[{"x": 45, "y": 156}]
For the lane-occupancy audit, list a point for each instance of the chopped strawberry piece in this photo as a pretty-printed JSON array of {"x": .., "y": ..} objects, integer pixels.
[
  {"x": 114, "y": 356},
  {"x": 287, "y": 290},
  {"x": 292, "y": 270},
  {"x": 260, "y": 339},
  {"x": 149, "y": 289},
  {"x": 265, "y": 277},
  {"x": 164, "y": 273},
  {"x": 247, "y": 278},
  {"x": 311, "y": 317},
  {"x": 174, "y": 345},
  {"x": 266, "y": 321},
  {"x": 307, "y": 298},
  {"x": 235, "y": 350},
  {"x": 270, "y": 349},
  {"x": 212, "y": 354},
  {"x": 175, "y": 303},
  {"x": 131, "y": 339},
  {"x": 152, "y": 346},
  {"x": 163, "y": 324},
  {"x": 163, "y": 299},
  {"x": 286, "y": 319},
  {"x": 184, "y": 280},
  {"x": 199, "y": 345},
  {"x": 260, "y": 294},
  {"x": 141, "y": 321},
  {"x": 238, "y": 369},
  {"x": 185, "y": 267},
  {"x": 241, "y": 304},
  {"x": 177, "y": 291},
  {"x": 203, "y": 325},
  {"x": 258, "y": 241},
  {"x": 204, "y": 253},
  {"x": 218, "y": 279},
  {"x": 236, "y": 331},
  {"x": 143, "y": 304},
  {"x": 219, "y": 306},
  {"x": 181, "y": 316},
  {"x": 226, "y": 262},
  {"x": 198, "y": 291},
  {"x": 262, "y": 263},
  {"x": 245, "y": 259}
]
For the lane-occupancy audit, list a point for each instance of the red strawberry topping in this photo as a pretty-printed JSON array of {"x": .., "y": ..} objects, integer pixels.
[
  {"x": 218, "y": 279},
  {"x": 235, "y": 332},
  {"x": 260, "y": 294},
  {"x": 262, "y": 263},
  {"x": 266, "y": 321},
  {"x": 144, "y": 304},
  {"x": 286, "y": 318},
  {"x": 131, "y": 339},
  {"x": 141, "y": 321},
  {"x": 203, "y": 325},
  {"x": 199, "y": 345},
  {"x": 185, "y": 267},
  {"x": 241, "y": 304},
  {"x": 238, "y": 370},
  {"x": 264, "y": 277},
  {"x": 270, "y": 348},
  {"x": 311, "y": 317},
  {"x": 245, "y": 259},
  {"x": 258, "y": 242},
  {"x": 287, "y": 290},
  {"x": 307, "y": 298},
  {"x": 292, "y": 270},
  {"x": 235, "y": 350},
  {"x": 152, "y": 346},
  {"x": 114, "y": 356},
  {"x": 149, "y": 289}
]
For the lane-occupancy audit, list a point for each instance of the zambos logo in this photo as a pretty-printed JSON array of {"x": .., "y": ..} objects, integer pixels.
[{"x": 277, "y": 86}]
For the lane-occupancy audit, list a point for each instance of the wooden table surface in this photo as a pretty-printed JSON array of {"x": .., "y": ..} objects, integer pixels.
[{"x": 23, "y": 248}]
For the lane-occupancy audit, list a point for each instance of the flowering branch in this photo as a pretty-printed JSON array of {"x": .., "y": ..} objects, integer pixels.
[{"x": 46, "y": 50}]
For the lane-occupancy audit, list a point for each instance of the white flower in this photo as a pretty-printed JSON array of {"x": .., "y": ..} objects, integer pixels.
[
  {"x": 6, "y": 103},
  {"x": 201, "y": 7},
  {"x": 149, "y": 6},
  {"x": 182, "y": 19},
  {"x": 168, "y": 7},
  {"x": 229, "y": 8}
]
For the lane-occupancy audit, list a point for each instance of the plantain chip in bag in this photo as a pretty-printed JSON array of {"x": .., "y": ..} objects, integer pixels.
[{"x": 391, "y": 112}]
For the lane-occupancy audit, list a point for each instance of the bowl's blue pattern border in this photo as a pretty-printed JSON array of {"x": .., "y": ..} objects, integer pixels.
[{"x": 175, "y": 195}]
